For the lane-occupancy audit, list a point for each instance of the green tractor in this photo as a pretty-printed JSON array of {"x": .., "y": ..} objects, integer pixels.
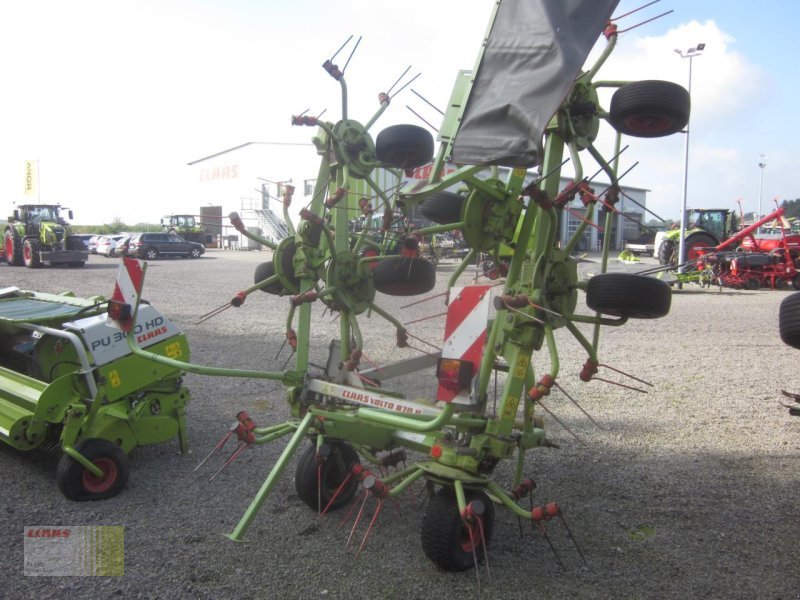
[
  {"x": 706, "y": 228},
  {"x": 37, "y": 234},
  {"x": 185, "y": 226}
]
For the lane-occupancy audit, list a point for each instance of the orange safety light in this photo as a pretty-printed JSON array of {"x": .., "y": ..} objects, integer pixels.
[
  {"x": 453, "y": 373},
  {"x": 120, "y": 312}
]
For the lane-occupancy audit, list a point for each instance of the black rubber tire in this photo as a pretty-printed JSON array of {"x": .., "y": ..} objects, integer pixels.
[
  {"x": 443, "y": 208},
  {"x": 30, "y": 253},
  {"x": 628, "y": 295},
  {"x": 195, "y": 253},
  {"x": 789, "y": 320},
  {"x": 404, "y": 146},
  {"x": 150, "y": 254},
  {"x": 404, "y": 276},
  {"x": 76, "y": 483},
  {"x": 649, "y": 109},
  {"x": 267, "y": 269},
  {"x": 445, "y": 538},
  {"x": 666, "y": 252},
  {"x": 12, "y": 247},
  {"x": 334, "y": 470},
  {"x": 796, "y": 282},
  {"x": 752, "y": 284}
]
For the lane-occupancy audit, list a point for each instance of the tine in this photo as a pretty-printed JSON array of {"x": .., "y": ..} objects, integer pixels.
[
  {"x": 369, "y": 529},
  {"x": 485, "y": 551},
  {"x": 563, "y": 391},
  {"x": 474, "y": 554},
  {"x": 553, "y": 548},
  {"x": 569, "y": 532},
  {"x": 239, "y": 449},
  {"x": 336, "y": 493},
  {"x": 358, "y": 518},
  {"x": 219, "y": 446}
]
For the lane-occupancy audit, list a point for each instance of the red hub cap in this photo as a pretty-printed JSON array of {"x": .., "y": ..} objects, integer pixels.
[{"x": 98, "y": 485}]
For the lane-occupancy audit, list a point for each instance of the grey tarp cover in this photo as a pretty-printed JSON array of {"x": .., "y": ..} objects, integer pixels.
[{"x": 535, "y": 50}]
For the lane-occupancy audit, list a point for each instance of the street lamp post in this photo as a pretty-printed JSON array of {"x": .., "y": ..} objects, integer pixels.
[
  {"x": 690, "y": 54},
  {"x": 761, "y": 164}
]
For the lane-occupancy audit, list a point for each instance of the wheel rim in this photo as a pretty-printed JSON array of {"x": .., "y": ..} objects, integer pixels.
[
  {"x": 26, "y": 252},
  {"x": 9, "y": 247},
  {"x": 98, "y": 485},
  {"x": 696, "y": 250}
]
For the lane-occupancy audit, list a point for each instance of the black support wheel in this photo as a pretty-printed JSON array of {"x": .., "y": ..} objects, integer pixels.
[
  {"x": 649, "y": 109},
  {"x": 316, "y": 484},
  {"x": 628, "y": 295},
  {"x": 12, "y": 246},
  {"x": 30, "y": 253},
  {"x": 443, "y": 208},
  {"x": 446, "y": 538},
  {"x": 404, "y": 276},
  {"x": 267, "y": 269},
  {"x": 789, "y": 320},
  {"x": 404, "y": 146},
  {"x": 76, "y": 483}
]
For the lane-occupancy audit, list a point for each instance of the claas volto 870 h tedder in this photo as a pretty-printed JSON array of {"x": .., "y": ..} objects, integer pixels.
[{"x": 519, "y": 108}]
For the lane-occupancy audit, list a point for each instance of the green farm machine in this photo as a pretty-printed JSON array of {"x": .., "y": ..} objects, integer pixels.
[
  {"x": 69, "y": 380},
  {"x": 185, "y": 226},
  {"x": 37, "y": 234},
  {"x": 354, "y": 426}
]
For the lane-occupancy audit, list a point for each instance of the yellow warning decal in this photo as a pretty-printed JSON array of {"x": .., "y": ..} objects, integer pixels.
[
  {"x": 173, "y": 350},
  {"x": 113, "y": 378},
  {"x": 521, "y": 366},
  {"x": 519, "y": 172}
]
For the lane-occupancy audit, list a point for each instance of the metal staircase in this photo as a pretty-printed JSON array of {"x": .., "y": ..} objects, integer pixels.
[{"x": 271, "y": 224}]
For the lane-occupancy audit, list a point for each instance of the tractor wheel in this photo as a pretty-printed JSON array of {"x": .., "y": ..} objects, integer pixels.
[
  {"x": 317, "y": 484},
  {"x": 789, "y": 320},
  {"x": 76, "y": 483},
  {"x": 30, "y": 253},
  {"x": 13, "y": 248},
  {"x": 698, "y": 244},
  {"x": 443, "y": 208},
  {"x": 628, "y": 295},
  {"x": 649, "y": 109},
  {"x": 404, "y": 276},
  {"x": 752, "y": 284},
  {"x": 404, "y": 146},
  {"x": 666, "y": 252},
  {"x": 446, "y": 538},
  {"x": 796, "y": 282}
]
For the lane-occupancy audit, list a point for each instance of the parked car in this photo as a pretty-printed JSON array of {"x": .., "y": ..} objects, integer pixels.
[
  {"x": 122, "y": 246},
  {"x": 84, "y": 237},
  {"x": 155, "y": 245},
  {"x": 91, "y": 246},
  {"x": 107, "y": 244}
]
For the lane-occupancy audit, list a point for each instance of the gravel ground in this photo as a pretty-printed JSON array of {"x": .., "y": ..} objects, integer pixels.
[{"x": 685, "y": 492}]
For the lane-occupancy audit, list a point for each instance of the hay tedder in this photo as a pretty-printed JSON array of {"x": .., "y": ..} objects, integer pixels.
[
  {"x": 370, "y": 443},
  {"x": 69, "y": 380}
]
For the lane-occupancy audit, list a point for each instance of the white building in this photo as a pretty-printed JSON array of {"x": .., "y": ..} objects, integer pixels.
[{"x": 249, "y": 179}]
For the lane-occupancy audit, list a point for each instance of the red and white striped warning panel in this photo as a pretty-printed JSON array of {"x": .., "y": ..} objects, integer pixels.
[
  {"x": 130, "y": 278},
  {"x": 465, "y": 332}
]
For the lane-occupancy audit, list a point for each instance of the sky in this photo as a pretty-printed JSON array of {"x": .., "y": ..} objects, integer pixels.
[{"x": 113, "y": 98}]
